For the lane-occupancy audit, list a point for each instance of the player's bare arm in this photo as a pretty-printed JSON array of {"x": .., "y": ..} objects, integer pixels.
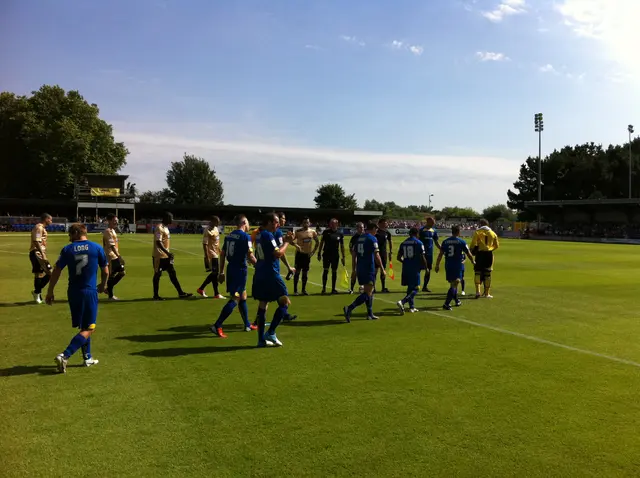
[
  {"x": 437, "y": 269},
  {"x": 281, "y": 252},
  {"x": 424, "y": 261},
  {"x": 399, "y": 256},
  {"x": 251, "y": 258},
  {"x": 55, "y": 276},
  {"x": 379, "y": 264},
  {"x": 223, "y": 258},
  {"x": 163, "y": 249},
  {"x": 104, "y": 276},
  {"x": 316, "y": 245},
  {"x": 344, "y": 261},
  {"x": 320, "y": 248},
  {"x": 470, "y": 256}
]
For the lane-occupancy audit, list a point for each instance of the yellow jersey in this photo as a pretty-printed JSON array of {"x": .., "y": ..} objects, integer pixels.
[{"x": 485, "y": 240}]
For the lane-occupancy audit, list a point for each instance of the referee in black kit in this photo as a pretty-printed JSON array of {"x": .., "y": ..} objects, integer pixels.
[
  {"x": 384, "y": 239},
  {"x": 330, "y": 251}
]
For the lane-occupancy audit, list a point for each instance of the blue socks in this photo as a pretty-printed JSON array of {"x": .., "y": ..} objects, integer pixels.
[
  {"x": 244, "y": 313},
  {"x": 86, "y": 349},
  {"x": 280, "y": 313},
  {"x": 78, "y": 341},
  {"x": 462, "y": 284},
  {"x": 452, "y": 294},
  {"x": 370, "y": 306},
  {"x": 225, "y": 312},
  {"x": 361, "y": 299},
  {"x": 409, "y": 298},
  {"x": 261, "y": 324}
]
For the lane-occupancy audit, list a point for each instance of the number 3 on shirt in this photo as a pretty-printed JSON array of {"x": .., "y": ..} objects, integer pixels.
[
  {"x": 452, "y": 251},
  {"x": 81, "y": 261}
]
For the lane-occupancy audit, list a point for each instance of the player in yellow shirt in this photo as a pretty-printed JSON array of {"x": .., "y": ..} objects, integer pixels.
[
  {"x": 163, "y": 258},
  {"x": 211, "y": 248},
  {"x": 40, "y": 266},
  {"x": 306, "y": 243},
  {"x": 111, "y": 246},
  {"x": 483, "y": 244}
]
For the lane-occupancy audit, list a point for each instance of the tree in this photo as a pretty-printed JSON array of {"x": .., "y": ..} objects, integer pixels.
[
  {"x": 192, "y": 181},
  {"x": 395, "y": 211},
  {"x": 498, "y": 211},
  {"x": 164, "y": 196},
  {"x": 333, "y": 196},
  {"x": 132, "y": 190},
  {"x": 49, "y": 140},
  {"x": 586, "y": 171},
  {"x": 455, "y": 211}
]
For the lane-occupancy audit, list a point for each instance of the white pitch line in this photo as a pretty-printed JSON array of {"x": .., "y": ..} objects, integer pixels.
[
  {"x": 489, "y": 327},
  {"x": 14, "y": 252}
]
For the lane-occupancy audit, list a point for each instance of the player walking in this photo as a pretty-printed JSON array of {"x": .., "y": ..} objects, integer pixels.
[
  {"x": 454, "y": 248},
  {"x": 211, "y": 248},
  {"x": 111, "y": 246},
  {"x": 429, "y": 237},
  {"x": 268, "y": 285},
  {"x": 330, "y": 251},
  {"x": 383, "y": 237},
  {"x": 483, "y": 244},
  {"x": 306, "y": 242},
  {"x": 163, "y": 259},
  {"x": 83, "y": 258},
  {"x": 411, "y": 255},
  {"x": 40, "y": 266},
  {"x": 236, "y": 250},
  {"x": 352, "y": 251},
  {"x": 368, "y": 259},
  {"x": 280, "y": 241}
]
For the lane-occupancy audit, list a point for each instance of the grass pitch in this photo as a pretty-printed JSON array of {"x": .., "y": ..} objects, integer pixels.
[{"x": 541, "y": 381}]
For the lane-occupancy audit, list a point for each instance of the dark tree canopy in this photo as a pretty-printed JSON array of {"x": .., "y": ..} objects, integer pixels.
[
  {"x": 455, "y": 211},
  {"x": 193, "y": 181},
  {"x": 50, "y": 139},
  {"x": 163, "y": 196},
  {"x": 498, "y": 212},
  {"x": 393, "y": 210},
  {"x": 333, "y": 196},
  {"x": 586, "y": 171}
]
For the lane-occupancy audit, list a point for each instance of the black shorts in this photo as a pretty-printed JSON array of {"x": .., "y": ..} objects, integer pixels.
[
  {"x": 115, "y": 266},
  {"x": 330, "y": 262},
  {"x": 484, "y": 261},
  {"x": 303, "y": 261},
  {"x": 214, "y": 264},
  {"x": 161, "y": 265},
  {"x": 383, "y": 259},
  {"x": 37, "y": 264}
]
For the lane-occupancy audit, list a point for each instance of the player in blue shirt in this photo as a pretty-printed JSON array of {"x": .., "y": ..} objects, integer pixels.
[
  {"x": 236, "y": 250},
  {"x": 453, "y": 249},
  {"x": 429, "y": 237},
  {"x": 280, "y": 241},
  {"x": 268, "y": 285},
  {"x": 83, "y": 259},
  {"x": 411, "y": 255},
  {"x": 367, "y": 259}
]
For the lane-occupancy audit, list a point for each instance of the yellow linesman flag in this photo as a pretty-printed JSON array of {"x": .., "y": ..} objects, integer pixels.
[
  {"x": 391, "y": 275},
  {"x": 345, "y": 279},
  {"x": 110, "y": 192}
]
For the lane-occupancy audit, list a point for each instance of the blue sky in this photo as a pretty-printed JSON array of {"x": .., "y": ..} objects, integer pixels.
[{"x": 395, "y": 100}]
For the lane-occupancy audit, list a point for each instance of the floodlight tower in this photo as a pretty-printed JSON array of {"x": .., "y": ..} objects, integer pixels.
[
  {"x": 630, "y": 130},
  {"x": 539, "y": 128}
]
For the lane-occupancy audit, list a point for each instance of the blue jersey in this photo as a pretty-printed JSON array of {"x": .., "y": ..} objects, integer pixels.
[
  {"x": 278, "y": 237},
  {"x": 454, "y": 251},
  {"x": 83, "y": 259},
  {"x": 366, "y": 249},
  {"x": 268, "y": 265},
  {"x": 236, "y": 247},
  {"x": 412, "y": 251},
  {"x": 428, "y": 236}
]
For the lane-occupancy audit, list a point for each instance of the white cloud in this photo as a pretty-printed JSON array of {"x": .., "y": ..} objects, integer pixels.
[
  {"x": 284, "y": 174},
  {"x": 491, "y": 56},
  {"x": 352, "y": 39},
  {"x": 548, "y": 68},
  {"x": 400, "y": 45},
  {"x": 312, "y": 47},
  {"x": 613, "y": 23},
  {"x": 504, "y": 9}
]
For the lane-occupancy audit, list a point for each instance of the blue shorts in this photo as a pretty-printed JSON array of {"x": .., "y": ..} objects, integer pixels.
[
  {"x": 462, "y": 271},
  {"x": 453, "y": 273},
  {"x": 268, "y": 289},
  {"x": 411, "y": 279},
  {"x": 366, "y": 277},
  {"x": 84, "y": 308},
  {"x": 236, "y": 281}
]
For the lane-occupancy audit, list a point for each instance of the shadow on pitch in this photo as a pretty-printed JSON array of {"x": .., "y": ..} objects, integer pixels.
[
  {"x": 146, "y": 299},
  {"x": 313, "y": 323},
  {"x": 181, "y": 332},
  {"x": 182, "y": 351},
  {"x": 27, "y": 302},
  {"x": 32, "y": 370}
]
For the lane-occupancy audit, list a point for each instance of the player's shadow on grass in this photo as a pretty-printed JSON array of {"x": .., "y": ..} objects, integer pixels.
[
  {"x": 180, "y": 332},
  {"x": 182, "y": 351},
  {"x": 31, "y": 370},
  {"x": 28, "y": 302},
  {"x": 313, "y": 323},
  {"x": 144, "y": 299}
]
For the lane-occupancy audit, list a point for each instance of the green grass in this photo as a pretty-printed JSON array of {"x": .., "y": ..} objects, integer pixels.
[{"x": 430, "y": 394}]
